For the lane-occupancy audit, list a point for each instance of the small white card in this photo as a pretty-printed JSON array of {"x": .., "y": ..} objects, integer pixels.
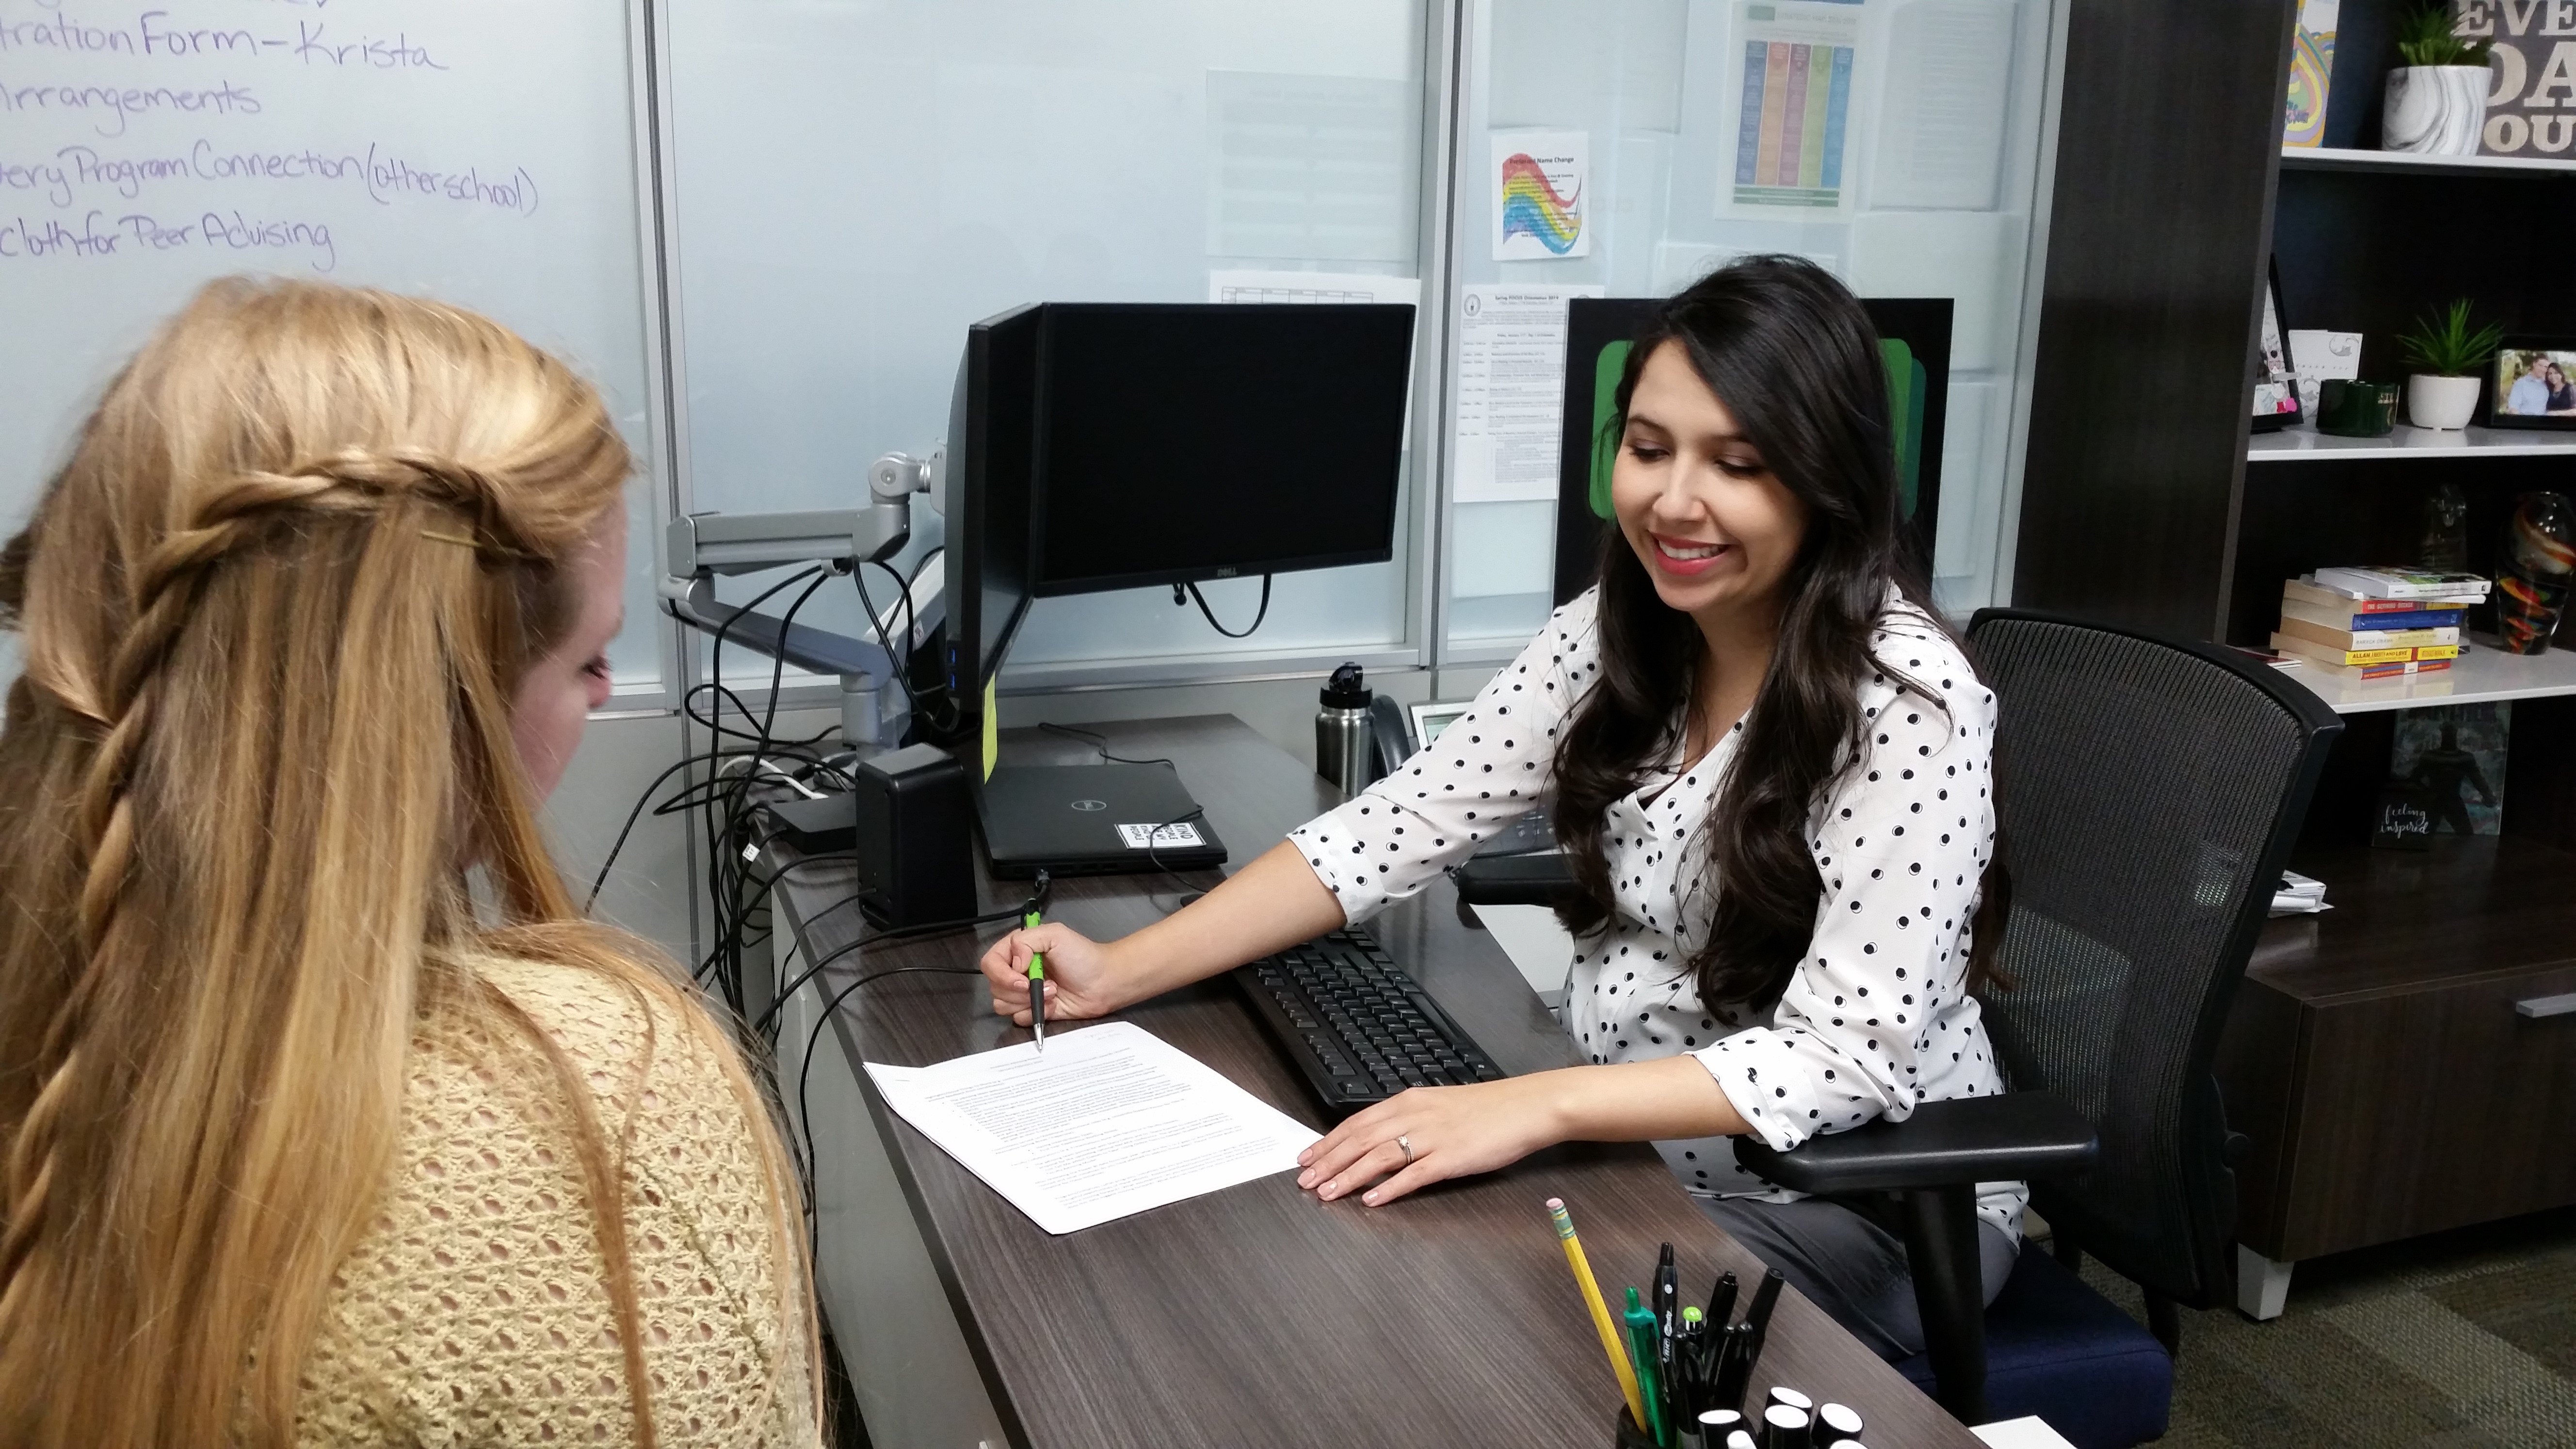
[{"x": 1160, "y": 837}]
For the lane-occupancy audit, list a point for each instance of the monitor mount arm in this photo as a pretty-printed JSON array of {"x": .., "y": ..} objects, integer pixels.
[{"x": 701, "y": 545}]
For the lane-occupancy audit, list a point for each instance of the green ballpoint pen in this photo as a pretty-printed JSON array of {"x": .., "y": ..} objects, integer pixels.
[
  {"x": 1037, "y": 986},
  {"x": 1643, "y": 1340}
]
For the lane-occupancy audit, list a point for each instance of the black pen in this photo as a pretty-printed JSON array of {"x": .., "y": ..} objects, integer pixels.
[
  {"x": 1668, "y": 1295},
  {"x": 1733, "y": 1367},
  {"x": 1757, "y": 1318},
  {"x": 1721, "y": 1304}
]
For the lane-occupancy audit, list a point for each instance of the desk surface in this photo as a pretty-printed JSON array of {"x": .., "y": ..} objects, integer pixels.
[{"x": 1256, "y": 1316}]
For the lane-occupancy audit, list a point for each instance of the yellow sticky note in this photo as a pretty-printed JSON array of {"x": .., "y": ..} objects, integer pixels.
[{"x": 992, "y": 730}]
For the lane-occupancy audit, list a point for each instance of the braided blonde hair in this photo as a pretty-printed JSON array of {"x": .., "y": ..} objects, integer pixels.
[{"x": 273, "y": 613}]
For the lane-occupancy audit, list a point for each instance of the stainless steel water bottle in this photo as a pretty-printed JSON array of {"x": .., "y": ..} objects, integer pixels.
[{"x": 1342, "y": 731}]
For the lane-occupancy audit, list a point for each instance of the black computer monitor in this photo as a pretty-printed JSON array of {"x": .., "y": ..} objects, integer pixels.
[
  {"x": 991, "y": 419},
  {"x": 1184, "y": 442}
]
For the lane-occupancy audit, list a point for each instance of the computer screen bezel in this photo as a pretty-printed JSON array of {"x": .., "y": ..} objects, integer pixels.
[{"x": 970, "y": 665}]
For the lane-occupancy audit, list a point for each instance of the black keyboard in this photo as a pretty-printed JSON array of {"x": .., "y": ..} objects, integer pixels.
[{"x": 1357, "y": 1025}]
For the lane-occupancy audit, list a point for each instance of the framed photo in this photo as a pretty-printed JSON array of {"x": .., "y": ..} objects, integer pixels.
[
  {"x": 2276, "y": 382},
  {"x": 2533, "y": 383}
]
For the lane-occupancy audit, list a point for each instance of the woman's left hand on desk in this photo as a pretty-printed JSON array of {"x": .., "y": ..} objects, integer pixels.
[{"x": 1454, "y": 1131}]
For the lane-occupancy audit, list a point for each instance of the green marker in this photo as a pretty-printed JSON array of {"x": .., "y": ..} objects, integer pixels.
[
  {"x": 1643, "y": 1339},
  {"x": 1037, "y": 986}
]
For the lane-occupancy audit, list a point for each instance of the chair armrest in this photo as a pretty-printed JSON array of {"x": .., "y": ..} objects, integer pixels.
[
  {"x": 1537, "y": 879},
  {"x": 2015, "y": 1135}
]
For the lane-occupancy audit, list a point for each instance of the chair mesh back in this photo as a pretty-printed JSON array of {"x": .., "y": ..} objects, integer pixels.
[{"x": 2139, "y": 786}]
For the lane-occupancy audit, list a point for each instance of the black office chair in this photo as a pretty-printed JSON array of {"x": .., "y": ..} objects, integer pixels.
[{"x": 2148, "y": 793}]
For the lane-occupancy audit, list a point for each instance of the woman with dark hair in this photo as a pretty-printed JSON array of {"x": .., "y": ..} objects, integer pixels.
[{"x": 1767, "y": 761}]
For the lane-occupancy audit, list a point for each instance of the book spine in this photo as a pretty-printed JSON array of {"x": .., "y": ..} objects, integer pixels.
[
  {"x": 2396, "y": 671},
  {"x": 2328, "y": 654},
  {"x": 2303, "y": 591}
]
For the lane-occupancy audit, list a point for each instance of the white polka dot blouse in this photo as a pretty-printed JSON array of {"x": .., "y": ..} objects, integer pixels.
[{"x": 1876, "y": 1017}]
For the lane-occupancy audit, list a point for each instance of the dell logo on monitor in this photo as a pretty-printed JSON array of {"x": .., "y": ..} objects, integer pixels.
[{"x": 1090, "y": 805}]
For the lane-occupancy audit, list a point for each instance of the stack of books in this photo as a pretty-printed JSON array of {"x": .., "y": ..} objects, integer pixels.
[{"x": 2376, "y": 623}]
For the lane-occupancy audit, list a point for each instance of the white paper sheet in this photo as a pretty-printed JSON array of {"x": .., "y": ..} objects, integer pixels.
[
  {"x": 1108, "y": 1121},
  {"x": 1941, "y": 132},
  {"x": 1511, "y": 390}
]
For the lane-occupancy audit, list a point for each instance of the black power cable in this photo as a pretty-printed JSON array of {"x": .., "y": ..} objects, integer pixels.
[
  {"x": 1210, "y": 614},
  {"x": 813, "y": 1038}
]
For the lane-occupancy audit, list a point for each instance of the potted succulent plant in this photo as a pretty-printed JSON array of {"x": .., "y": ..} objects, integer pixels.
[
  {"x": 2437, "y": 100},
  {"x": 2444, "y": 393}
]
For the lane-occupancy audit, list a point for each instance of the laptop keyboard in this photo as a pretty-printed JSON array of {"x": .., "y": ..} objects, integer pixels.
[{"x": 1358, "y": 1027}]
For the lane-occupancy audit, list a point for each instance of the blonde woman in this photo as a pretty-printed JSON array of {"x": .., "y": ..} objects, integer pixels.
[{"x": 301, "y": 1146}]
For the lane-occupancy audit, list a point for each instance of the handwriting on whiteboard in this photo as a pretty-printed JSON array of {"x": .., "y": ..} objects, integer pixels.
[{"x": 131, "y": 132}]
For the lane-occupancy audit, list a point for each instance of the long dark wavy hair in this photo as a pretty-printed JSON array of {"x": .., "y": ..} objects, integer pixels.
[{"x": 1796, "y": 361}]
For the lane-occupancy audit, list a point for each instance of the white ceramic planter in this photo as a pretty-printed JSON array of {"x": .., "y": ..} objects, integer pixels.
[
  {"x": 2441, "y": 402},
  {"x": 2435, "y": 110}
]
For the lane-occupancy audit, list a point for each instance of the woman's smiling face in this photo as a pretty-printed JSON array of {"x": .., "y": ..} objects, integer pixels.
[{"x": 1713, "y": 525}]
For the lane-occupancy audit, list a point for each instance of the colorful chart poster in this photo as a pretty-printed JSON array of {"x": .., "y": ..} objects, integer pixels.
[
  {"x": 1542, "y": 181},
  {"x": 1793, "y": 121}
]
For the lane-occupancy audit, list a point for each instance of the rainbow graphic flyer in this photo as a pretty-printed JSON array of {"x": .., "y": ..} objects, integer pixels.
[{"x": 1542, "y": 195}]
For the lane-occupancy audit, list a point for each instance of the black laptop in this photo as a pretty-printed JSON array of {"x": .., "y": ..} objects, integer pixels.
[{"x": 1106, "y": 819}]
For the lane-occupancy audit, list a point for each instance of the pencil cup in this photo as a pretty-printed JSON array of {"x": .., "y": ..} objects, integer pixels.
[{"x": 1629, "y": 1435}]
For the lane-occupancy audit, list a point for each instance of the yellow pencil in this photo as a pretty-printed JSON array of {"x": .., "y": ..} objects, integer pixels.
[{"x": 1600, "y": 1311}]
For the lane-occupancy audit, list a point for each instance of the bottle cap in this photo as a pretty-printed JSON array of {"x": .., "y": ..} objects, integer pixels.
[{"x": 1345, "y": 690}]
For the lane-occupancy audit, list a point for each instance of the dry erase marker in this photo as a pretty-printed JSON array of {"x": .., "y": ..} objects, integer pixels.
[
  {"x": 1785, "y": 1428},
  {"x": 1841, "y": 1419},
  {"x": 1037, "y": 986},
  {"x": 1601, "y": 1324},
  {"x": 1721, "y": 1303},
  {"x": 1716, "y": 1424},
  {"x": 1757, "y": 1318}
]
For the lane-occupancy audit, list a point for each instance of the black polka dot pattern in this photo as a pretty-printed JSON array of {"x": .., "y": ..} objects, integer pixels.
[{"x": 1876, "y": 1018}]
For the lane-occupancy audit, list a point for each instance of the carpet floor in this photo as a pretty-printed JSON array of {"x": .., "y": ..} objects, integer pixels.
[{"x": 2462, "y": 1340}]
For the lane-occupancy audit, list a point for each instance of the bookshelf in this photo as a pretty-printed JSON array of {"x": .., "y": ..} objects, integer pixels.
[
  {"x": 2359, "y": 1041},
  {"x": 2485, "y": 674},
  {"x": 2305, "y": 443},
  {"x": 2335, "y": 158}
]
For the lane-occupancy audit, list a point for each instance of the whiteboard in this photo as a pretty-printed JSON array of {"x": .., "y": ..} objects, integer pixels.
[
  {"x": 479, "y": 151},
  {"x": 855, "y": 184}
]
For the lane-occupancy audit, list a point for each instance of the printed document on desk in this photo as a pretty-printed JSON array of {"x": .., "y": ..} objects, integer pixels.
[{"x": 1108, "y": 1121}]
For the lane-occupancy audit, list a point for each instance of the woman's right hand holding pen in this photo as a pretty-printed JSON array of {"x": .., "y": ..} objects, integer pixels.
[
  {"x": 1081, "y": 974},
  {"x": 1274, "y": 901}
]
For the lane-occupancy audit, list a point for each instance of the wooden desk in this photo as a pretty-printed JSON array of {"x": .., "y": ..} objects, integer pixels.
[
  {"x": 1253, "y": 1316},
  {"x": 2363, "y": 1040}
]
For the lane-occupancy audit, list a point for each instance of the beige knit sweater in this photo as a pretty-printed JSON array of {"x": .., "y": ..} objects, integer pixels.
[{"x": 476, "y": 1311}]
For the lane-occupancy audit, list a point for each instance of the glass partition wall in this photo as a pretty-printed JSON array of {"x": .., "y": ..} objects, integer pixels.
[
  {"x": 1625, "y": 149},
  {"x": 847, "y": 187}
]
